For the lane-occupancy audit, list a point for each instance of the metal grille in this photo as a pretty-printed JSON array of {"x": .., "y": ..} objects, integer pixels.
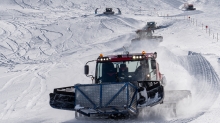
[
  {"x": 133, "y": 96},
  {"x": 109, "y": 91},
  {"x": 106, "y": 95},
  {"x": 84, "y": 93}
]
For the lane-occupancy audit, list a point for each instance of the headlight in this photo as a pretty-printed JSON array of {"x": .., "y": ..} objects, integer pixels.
[
  {"x": 138, "y": 57},
  {"x": 104, "y": 59}
]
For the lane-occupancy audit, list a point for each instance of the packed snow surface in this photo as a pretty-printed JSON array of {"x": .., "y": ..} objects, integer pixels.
[{"x": 44, "y": 44}]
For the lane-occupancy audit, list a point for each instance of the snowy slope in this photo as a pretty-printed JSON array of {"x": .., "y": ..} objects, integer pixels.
[{"x": 44, "y": 45}]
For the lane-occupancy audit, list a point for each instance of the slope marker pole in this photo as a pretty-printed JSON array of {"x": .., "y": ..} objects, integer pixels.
[{"x": 209, "y": 31}]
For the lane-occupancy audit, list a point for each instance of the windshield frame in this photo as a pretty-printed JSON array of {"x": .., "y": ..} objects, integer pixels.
[{"x": 117, "y": 79}]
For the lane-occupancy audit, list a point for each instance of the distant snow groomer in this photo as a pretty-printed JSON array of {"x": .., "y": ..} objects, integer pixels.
[
  {"x": 147, "y": 33},
  {"x": 188, "y": 7},
  {"x": 108, "y": 11}
]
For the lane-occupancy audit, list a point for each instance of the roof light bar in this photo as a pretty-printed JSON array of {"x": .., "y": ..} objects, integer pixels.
[{"x": 104, "y": 59}]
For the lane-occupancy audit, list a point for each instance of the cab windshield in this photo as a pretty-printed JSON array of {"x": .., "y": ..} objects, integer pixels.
[{"x": 122, "y": 71}]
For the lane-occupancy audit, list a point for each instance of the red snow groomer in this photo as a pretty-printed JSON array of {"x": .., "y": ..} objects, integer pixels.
[{"x": 121, "y": 87}]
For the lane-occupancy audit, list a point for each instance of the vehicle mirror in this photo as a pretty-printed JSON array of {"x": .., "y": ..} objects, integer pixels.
[
  {"x": 153, "y": 64},
  {"x": 86, "y": 69}
]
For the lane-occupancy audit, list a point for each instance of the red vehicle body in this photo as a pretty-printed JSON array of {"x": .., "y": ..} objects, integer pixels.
[
  {"x": 122, "y": 86},
  {"x": 148, "y": 59}
]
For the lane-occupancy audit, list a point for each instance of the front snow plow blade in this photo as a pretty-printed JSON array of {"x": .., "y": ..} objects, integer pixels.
[
  {"x": 106, "y": 99},
  {"x": 120, "y": 100},
  {"x": 97, "y": 99},
  {"x": 150, "y": 38}
]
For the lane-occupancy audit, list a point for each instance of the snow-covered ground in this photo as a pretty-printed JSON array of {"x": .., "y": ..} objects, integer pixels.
[{"x": 44, "y": 44}]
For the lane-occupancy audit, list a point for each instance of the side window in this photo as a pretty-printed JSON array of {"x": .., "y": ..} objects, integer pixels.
[
  {"x": 153, "y": 74},
  {"x": 99, "y": 69},
  {"x": 149, "y": 65}
]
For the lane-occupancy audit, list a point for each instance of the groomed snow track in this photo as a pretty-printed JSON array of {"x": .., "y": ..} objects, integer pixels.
[
  {"x": 206, "y": 83},
  {"x": 202, "y": 70}
]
